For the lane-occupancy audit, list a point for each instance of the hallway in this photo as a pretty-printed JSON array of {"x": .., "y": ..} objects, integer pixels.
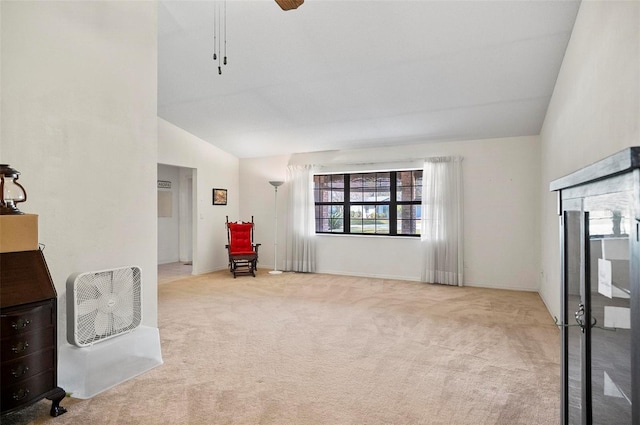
[{"x": 173, "y": 271}]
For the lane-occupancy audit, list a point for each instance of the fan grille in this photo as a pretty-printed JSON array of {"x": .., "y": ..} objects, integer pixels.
[{"x": 105, "y": 304}]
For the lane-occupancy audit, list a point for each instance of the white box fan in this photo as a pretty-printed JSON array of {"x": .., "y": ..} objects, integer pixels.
[{"x": 102, "y": 305}]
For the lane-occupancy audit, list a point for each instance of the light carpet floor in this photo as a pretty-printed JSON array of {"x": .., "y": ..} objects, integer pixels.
[{"x": 323, "y": 349}]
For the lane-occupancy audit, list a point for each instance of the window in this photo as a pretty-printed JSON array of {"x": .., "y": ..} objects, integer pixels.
[{"x": 380, "y": 203}]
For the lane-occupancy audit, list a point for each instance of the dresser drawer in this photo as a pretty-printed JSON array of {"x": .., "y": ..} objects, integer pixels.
[
  {"x": 28, "y": 333},
  {"x": 26, "y": 319},
  {"x": 26, "y": 391},
  {"x": 26, "y": 343},
  {"x": 16, "y": 370}
]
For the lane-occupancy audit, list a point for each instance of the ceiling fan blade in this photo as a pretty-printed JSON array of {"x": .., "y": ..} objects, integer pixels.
[{"x": 289, "y": 4}]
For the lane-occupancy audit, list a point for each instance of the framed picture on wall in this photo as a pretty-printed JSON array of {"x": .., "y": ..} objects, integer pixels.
[{"x": 219, "y": 196}]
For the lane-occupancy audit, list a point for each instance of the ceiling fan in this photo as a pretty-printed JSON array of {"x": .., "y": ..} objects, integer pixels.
[
  {"x": 289, "y": 4},
  {"x": 284, "y": 5}
]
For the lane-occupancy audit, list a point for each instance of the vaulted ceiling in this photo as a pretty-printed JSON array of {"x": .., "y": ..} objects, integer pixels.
[{"x": 349, "y": 74}]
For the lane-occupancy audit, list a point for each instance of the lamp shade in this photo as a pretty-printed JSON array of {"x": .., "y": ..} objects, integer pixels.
[
  {"x": 11, "y": 192},
  {"x": 276, "y": 183}
]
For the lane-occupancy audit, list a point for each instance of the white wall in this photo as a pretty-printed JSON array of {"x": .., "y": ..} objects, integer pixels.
[
  {"x": 594, "y": 112},
  {"x": 213, "y": 168},
  {"x": 169, "y": 226},
  {"x": 501, "y": 207},
  {"x": 79, "y": 90}
]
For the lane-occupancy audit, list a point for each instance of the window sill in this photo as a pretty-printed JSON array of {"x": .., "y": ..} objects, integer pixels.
[{"x": 364, "y": 235}]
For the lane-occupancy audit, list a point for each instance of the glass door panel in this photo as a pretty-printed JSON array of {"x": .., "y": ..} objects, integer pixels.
[
  {"x": 610, "y": 289},
  {"x": 573, "y": 299}
]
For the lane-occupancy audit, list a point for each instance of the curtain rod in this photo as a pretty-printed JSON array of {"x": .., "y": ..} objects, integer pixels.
[
  {"x": 328, "y": 162},
  {"x": 382, "y": 162},
  {"x": 412, "y": 160}
]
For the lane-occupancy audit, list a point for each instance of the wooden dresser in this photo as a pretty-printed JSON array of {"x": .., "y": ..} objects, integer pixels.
[{"x": 28, "y": 333}]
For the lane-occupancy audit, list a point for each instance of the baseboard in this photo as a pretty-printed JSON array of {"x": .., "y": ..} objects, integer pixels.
[
  {"x": 505, "y": 287},
  {"x": 546, "y": 304},
  {"x": 369, "y": 275},
  {"x": 416, "y": 279}
]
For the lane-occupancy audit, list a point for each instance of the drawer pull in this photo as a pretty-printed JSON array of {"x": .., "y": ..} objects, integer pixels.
[
  {"x": 20, "y": 394},
  {"x": 20, "y": 347},
  {"x": 20, "y": 324},
  {"x": 19, "y": 371}
]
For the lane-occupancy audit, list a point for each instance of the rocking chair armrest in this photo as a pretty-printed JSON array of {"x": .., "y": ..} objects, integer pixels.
[{"x": 256, "y": 246}]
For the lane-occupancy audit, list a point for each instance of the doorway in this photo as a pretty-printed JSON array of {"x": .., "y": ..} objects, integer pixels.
[{"x": 175, "y": 222}]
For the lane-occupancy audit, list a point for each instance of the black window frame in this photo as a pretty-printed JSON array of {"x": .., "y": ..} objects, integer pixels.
[{"x": 347, "y": 203}]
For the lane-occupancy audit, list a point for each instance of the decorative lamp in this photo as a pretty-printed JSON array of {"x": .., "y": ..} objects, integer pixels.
[
  {"x": 275, "y": 270},
  {"x": 11, "y": 192}
]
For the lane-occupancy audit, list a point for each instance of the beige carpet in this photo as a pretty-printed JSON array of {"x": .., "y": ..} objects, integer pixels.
[{"x": 322, "y": 349}]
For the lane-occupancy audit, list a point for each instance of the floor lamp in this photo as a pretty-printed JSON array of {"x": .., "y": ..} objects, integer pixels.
[{"x": 275, "y": 270}]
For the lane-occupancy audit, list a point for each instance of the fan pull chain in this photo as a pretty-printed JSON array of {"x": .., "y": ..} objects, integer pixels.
[
  {"x": 219, "y": 51},
  {"x": 218, "y": 22},
  {"x": 225, "y": 32},
  {"x": 215, "y": 56},
  {"x": 219, "y": 31}
]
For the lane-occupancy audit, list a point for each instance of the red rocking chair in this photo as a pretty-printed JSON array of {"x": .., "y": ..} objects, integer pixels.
[{"x": 243, "y": 253}]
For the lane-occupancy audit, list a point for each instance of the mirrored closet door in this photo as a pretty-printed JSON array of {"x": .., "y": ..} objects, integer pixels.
[{"x": 600, "y": 216}]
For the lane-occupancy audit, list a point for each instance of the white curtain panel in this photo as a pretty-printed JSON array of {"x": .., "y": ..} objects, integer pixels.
[
  {"x": 301, "y": 244},
  {"x": 441, "y": 224}
]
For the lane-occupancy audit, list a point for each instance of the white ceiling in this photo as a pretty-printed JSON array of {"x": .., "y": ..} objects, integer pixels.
[{"x": 348, "y": 74}]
